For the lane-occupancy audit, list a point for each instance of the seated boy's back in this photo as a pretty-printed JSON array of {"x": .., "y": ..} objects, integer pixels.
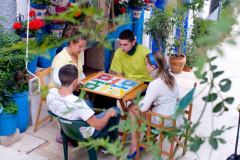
[{"x": 63, "y": 103}]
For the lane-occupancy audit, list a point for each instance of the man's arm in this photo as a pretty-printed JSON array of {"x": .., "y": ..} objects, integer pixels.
[
  {"x": 99, "y": 124},
  {"x": 115, "y": 73}
]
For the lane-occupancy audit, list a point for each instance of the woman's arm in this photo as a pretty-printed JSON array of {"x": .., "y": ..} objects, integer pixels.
[{"x": 55, "y": 77}]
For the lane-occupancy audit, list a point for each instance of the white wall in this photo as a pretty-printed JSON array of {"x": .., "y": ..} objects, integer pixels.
[{"x": 22, "y": 8}]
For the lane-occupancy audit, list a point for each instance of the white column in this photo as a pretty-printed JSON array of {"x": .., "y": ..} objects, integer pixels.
[
  {"x": 22, "y": 8},
  {"x": 146, "y": 40}
]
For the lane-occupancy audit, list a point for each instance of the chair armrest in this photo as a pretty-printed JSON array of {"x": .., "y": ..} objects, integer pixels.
[{"x": 80, "y": 123}]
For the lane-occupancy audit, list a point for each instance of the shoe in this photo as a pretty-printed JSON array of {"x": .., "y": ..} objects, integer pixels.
[
  {"x": 104, "y": 151},
  {"x": 133, "y": 155},
  {"x": 59, "y": 139}
]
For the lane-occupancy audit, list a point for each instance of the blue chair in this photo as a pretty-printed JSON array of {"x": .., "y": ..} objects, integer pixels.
[
  {"x": 166, "y": 124},
  {"x": 70, "y": 128}
]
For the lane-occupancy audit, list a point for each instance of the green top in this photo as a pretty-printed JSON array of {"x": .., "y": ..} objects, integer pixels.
[{"x": 132, "y": 66}]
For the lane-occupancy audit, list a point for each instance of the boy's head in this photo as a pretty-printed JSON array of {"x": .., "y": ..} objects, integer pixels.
[
  {"x": 127, "y": 40},
  {"x": 68, "y": 74}
]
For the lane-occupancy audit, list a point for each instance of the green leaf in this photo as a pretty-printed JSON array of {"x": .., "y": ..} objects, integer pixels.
[
  {"x": 196, "y": 143},
  {"x": 221, "y": 140},
  {"x": 82, "y": 94},
  {"x": 213, "y": 142},
  {"x": 212, "y": 59},
  {"x": 229, "y": 100},
  {"x": 217, "y": 132},
  {"x": 218, "y": 107},
  {"x": 225, "y": 85},
  {"x": 231, "y": 41},
  {"x": 219, "y": 50},
  {"x": 213, "y": 67},
  {"x": 210, "y": 98},
  {"x": 218, "y": 73}
]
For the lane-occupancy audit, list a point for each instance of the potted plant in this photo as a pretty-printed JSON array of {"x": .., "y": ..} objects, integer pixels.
[
  {"x": 149, "y": 4},
  {"x": 13, "y": 84},
  {"x": 177, "y": 59},
  {"x": 35, "y": 24},
  {"x": 40, "y": 7},
  {"x": 120, "y": 7},
  {"x": 160, "y": 26},
  {"x": 136, "y": 6},
  {"x": 200, "y": 28},
  {"x": 191, "y": 57}
]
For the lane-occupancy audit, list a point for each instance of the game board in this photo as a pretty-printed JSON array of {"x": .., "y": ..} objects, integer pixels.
[{"x": 110, "y": 85}]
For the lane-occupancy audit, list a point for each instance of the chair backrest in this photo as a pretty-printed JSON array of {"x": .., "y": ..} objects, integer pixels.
[
  {"x": 185, "y": 103},
  {"x": 71, "y": 127},
  {"x": 44, "y": 76},
  {"x": 154, "y": 132},
  {"x": 166, "y": 123},
  {"x": 187, "y": 99}
]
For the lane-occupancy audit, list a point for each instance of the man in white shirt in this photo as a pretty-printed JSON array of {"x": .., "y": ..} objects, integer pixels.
[{"x": 63, "y": 103}]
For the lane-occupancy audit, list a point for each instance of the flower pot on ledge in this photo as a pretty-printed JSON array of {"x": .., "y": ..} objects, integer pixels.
[
  {"x": 57, "y": 29},
  {"x": 149, "y": 6},
  {"x": 40, "y": 10},
  {"x": 136, "y": 12},
  {"x": 23, "y": 36}
]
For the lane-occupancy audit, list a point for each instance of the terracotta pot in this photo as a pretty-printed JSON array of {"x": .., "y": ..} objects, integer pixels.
[
  {"x": 187, "y": 68},
  {"x": 177, "y": 63}
]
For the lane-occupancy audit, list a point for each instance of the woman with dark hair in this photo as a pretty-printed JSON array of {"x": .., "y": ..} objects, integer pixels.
[{"x": 161, "y": 96}]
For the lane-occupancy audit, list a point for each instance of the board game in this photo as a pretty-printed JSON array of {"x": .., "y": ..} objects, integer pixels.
[{"x": 110, "y": 85}]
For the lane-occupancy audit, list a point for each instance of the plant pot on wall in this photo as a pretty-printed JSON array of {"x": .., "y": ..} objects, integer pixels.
[
  {"x": 177, "y": 63},
  {"x": 136, "y": 12},
  {"x": 40, "y": 10},
  {"x": 57, "y": 29},
  {"x": 8, "y": 124}
]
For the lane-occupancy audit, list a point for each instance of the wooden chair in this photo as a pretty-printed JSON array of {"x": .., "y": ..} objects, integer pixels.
[
  {"x": 156, "y": 132},
  {"x": 42, "y": 75},
  {"x": 70, "y": 128}
]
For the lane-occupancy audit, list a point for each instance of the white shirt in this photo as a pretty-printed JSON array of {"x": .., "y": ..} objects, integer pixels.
[
  {"x": 161, "y": 98},
  {"x": 70, "y": 107}
]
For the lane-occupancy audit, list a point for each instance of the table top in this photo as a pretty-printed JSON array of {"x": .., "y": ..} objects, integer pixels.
[{"x": 113, "y": 86}]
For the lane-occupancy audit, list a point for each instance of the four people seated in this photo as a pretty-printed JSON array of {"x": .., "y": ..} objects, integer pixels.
[{"x": 129, "y": 61}]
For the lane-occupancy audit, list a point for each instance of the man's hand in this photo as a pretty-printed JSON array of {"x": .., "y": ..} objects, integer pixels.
[
  {"x": 80, "y": 83},
  {"x": 111, "y": 112}
]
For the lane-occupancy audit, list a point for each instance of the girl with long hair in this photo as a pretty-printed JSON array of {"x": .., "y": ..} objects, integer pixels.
[{"x": 161, "y": 97}]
